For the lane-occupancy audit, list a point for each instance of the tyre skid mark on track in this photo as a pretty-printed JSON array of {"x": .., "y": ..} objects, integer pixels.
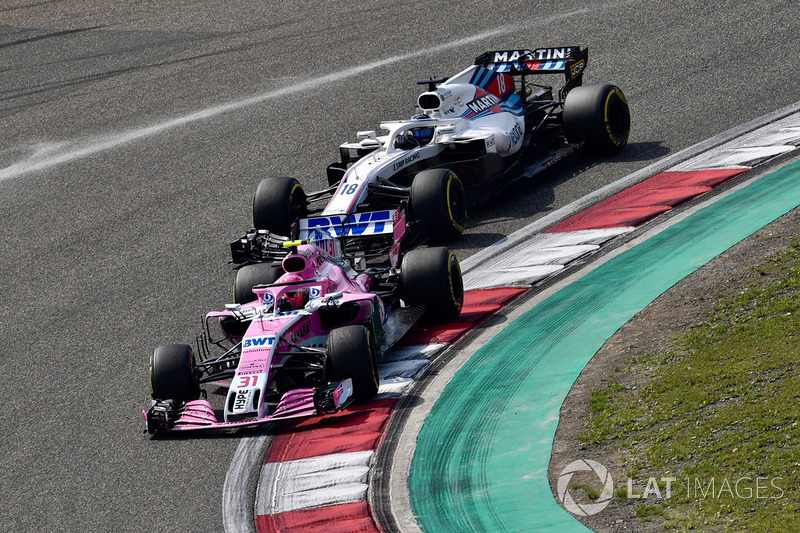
[
  {"x": 661, "y": 192},
  {"x": 345, "y": 518},
  {"x": 48, "y": 155},
  {"x": 558, "y": 336}
]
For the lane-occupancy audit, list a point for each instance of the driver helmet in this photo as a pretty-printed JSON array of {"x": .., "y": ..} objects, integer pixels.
[
  {"x": 291, "y": 277},
  {"x": 296, "y": 299},
  {"x": 292, "y": 300},
  {"x": 423, "y": 135}
]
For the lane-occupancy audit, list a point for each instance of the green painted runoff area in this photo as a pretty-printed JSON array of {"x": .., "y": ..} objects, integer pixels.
[{"x": 482, "y": 455}]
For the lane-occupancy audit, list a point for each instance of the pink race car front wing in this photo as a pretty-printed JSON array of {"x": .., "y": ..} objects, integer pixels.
[{"x": 171, "y": 415}]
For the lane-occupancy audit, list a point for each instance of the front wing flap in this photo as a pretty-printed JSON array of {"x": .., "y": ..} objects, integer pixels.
[{"x": 170, "y": 415}]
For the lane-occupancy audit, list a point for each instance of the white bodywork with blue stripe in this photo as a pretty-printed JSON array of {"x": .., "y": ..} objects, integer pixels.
[{"x": 475, "y": 104}]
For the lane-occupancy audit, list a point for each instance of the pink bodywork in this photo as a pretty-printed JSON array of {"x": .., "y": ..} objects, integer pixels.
[
  {"x": 198, "y": 414},
  {"x": 329, "y": 282}
]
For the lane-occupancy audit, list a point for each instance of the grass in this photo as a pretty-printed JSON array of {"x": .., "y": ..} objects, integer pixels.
[
  {"x": 589, "y": 491},
  {"x": 718, "y": 411}
]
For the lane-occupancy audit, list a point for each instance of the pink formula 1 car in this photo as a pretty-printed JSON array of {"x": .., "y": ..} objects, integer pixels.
[{"x": 305, "y": 343}]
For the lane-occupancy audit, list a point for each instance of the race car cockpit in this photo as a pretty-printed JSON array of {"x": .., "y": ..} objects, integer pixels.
[{"x": 419, "y": 136}]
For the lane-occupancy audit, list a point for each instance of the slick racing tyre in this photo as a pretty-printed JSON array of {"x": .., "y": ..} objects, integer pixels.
[
  {"x": 439, "y": 201},
  {"x": 172, "y": 373},
  {"x": 351, "y": 355},
  {"x": 278, "y": 202},
  {"x": 599, "y": 116},
  {"x": 432, "y": 277},
  {"x": 249, "y": 276}
]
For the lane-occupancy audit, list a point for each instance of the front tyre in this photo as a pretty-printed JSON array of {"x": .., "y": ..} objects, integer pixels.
[
  {"x": 439, "y": 201},
  {"x": 172, "y": 373},
  {"x": 598, "y": 116},
  {"x": 277, "y": 203},
  {"x": 351, "y": 355},
  {"x": 432, "y": 277}
]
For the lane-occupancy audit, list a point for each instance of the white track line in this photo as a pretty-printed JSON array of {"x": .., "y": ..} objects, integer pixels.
[
  {"x": 543, "y": 254},
  {"x": 52, "y": 154},
  {"x": 539, "y": 257},
  {"x": 313, "y": 482},
  {"x": 237, "y": 509}
]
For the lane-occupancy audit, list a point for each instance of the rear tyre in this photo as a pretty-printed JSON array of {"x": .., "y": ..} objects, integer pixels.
[
  {"x": 598, "y": 116},
  {"x": 278, "y": 202},
  {"x": 351, "y": 354},
  {"x": 249, "y": 276},
  {"x": 432, "y": 277},
  {"x": 439, "y": 201},
  {"x": 172, "y": 373}
]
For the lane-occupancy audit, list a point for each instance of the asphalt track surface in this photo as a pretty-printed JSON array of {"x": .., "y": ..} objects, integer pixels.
[{"x": 134, "y": 135}]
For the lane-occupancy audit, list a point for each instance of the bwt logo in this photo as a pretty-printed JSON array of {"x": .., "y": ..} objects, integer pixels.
[
  {"x": 259, "y": 342},
  {"x": 355, "y": 224},
  {"x": 586, "y": 509}
]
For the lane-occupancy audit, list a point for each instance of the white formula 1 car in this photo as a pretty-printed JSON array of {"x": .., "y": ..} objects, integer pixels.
[{"x": 478, "y": 131}]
